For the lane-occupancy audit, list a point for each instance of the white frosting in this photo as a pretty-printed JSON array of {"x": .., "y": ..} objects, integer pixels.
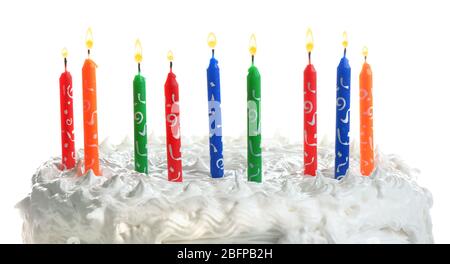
[{"x": 123, "y": 206}]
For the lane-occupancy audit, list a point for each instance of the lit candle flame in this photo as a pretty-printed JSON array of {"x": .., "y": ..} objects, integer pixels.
[
  {"x": 138, "y": 53},
  {"x": 345, "y": 39},
  {"x": 212, "y": 41},
  {"x": 89, "y": 39},
  {"x": 64, "y": 53},
  {"x": 309, "y": 40},
  {"x": 252, "y": 47},
  {"x": 365, "y": 51},
  {"x": 170, "y": 56}
]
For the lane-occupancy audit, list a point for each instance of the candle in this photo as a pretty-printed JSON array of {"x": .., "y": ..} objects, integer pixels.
[
  {"x": 67, "y": 126},
  {"x": 215, "y": 114},
  {"x": 91, "y": 161},
  {"x": 173, "y": 126},
  {"x": 342, "y": 115},
  {"x": 366, "y": 118},
  {"x": 140, "y": 116},
  {"x": 254, "y": 156},
  {"x": 310, "y": 112}
]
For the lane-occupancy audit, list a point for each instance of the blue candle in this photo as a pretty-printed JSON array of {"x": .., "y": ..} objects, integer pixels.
[
  {"x": 342, "y": 158},
  {"x": 215, "y": 114}
]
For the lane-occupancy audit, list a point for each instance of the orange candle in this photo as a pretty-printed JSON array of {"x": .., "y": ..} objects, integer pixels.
[
  {"x": 366, "y": 118},
  {"x": 90, "y": 111}
]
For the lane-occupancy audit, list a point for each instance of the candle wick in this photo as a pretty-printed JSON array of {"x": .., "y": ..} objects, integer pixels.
[
  {"x": 213, "y": 53},
  {"x": 171, "y": 64},
  {"x": 139, "y": 68},
  {"x": 345, "y": 52},
  {"x": 89, "y": 52},
  {"x": 253, "y": 59},
  {"x": 309, "y": 57},
  {"x": 65, "y": 64},
  {"x": 365, "y": 58}
]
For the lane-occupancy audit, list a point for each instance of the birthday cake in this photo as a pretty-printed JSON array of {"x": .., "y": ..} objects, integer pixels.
[{"x": 124, "y": 206}]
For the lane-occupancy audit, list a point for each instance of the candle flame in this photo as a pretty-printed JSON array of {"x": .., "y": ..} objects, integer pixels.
[
  {"x": 252, "y": 46},
  {"x": 365, "y": 51},
  {"x": 212, "y": 41},
  {"x": 309, "y": 40},
  {"x": 138, "y": 51},
  {"x": 170, "y": 55},
  {"x": 345, "y": 39},
  {"x": 64, "y": 53},
  {"x": 89, "y": 39}
]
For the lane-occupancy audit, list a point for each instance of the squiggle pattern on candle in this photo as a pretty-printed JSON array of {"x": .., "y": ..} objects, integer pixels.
[
  {"x": 369, "y": 112},
  {"x": 140, "y": 126},
  {"x": 364, "y": 94},
  {"x": 342, "y": 164},
  {"x": 171, "y": 153},
  {"x": 142, "y": 154},
  {"x": 139, "y": 117},
  {"x": 306, "y": 140},
  {"x": 339, "y": 138},
  {"x": 346, "y": 119},
  {"x": 311, "y": 162},
  {"x": 344, "y": 86},
  {"x": 139, "y": 99},
  {"x": 69, "y": 136},
  {"x": 86, "y": 106},
  {"x": 252, "y": 152},
  {"x": 340, "y": 103},
  {"x": 309, "y": 88},
  {"x": 255, "y": 97},
  {"x": 256, "y": 174},
  {"x": 143, "y": 132},
  {"x": 67, "y": 126},
  {"x": 215, "y": 118},
  {"x": 366, "y": 128},
  {"x": 177, "y": 178},
  {"x": 213, "y": 147},
  {"x": 93, "y": 120},
  {"x": 254, "y": 128},
  {"x": 173, "y": 135},
  {"x": 308, "y": 107}
]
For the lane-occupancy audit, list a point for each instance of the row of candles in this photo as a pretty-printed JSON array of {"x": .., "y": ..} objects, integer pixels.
[{"x": 172, "y": 111}]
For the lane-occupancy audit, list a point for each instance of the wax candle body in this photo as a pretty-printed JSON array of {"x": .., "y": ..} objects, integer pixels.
[
  {"x": 366, "y": 120},
  {"x": 254, "y": 153},
  {"x": 342, "y": 158},
  {"x": 310, "y": 120},
  {"x": 67, "y": 124},
  {"x": 173, "y": 136},
  {"x": 215, "y": 120},
  {"x": 140, "y": 124},
  {"x": 91, "y": 161}
]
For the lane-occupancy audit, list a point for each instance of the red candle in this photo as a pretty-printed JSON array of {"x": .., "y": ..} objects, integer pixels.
[
  {"x": 310, "y": 112},
  {"x": 67, "y": 130},
  {"x": 173, "y": 137}
]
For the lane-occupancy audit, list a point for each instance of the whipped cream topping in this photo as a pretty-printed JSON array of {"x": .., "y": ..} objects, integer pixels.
[{"x": 124, "y": 206}]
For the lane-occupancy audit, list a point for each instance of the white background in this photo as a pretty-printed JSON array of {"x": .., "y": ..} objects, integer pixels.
[{"x": 408, "y": 49}]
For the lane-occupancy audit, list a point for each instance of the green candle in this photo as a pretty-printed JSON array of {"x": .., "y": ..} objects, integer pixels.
[
  {"x": 140, "y": 116},
  {"x": 254, "y": 156}
]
